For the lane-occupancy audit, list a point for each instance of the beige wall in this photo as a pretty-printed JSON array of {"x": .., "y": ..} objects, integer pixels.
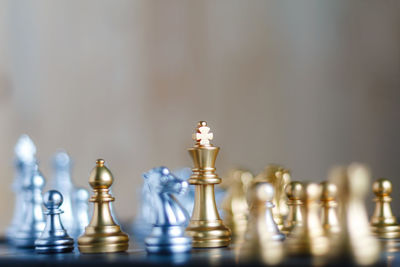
[{"x": 307, "y": 84}]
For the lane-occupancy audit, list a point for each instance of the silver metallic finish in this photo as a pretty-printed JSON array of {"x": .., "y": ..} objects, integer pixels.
[
  {"x": 61, "y": 181},
  {"x": 81, "y": 211},
  {"x": 167, "y": 235},
  {"x": 33, "y": 223},
  {"x": 54, "y": 238},
  {"x": 25, "y": 160}
]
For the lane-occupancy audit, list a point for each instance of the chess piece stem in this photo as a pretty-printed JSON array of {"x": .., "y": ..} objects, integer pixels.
[
  {"x": 205, "y": 227},
  {"x": 102, "y": 235}
]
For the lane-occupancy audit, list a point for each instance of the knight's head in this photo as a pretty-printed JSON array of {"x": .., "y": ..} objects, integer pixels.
[{"x": 161, "y": 180}]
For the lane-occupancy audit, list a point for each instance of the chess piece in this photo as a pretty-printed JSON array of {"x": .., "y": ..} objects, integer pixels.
[
  {"x": 25, "y": 160},
  {"x": 308, "y": 239},
  {"x": 54, "y": 238},
  {"x": 279, "y": 178},
  {"x": 81, "y": 211},
  {"x": 295, "y": 193},
  {"x": 355, "y": 241},
  {"x": 33, "y": 223},
  {"x": 62, "y": 182},
  {"x": 329, "y": 219},
  {"x": 383, "y": 223},
  {"x": 102, "y": 235},
  {"x": 205, "y": 227},
  {"x": 167, "y": 235},
  {"x": 263, "y": 238},
  {"x": 234, "y": 205}
]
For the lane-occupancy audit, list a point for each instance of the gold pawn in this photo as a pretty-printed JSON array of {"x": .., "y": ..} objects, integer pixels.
[
  {"x": 294, "y": 192},
  {"x": 263, "y": 241},
  {"x": 102, "y": 235},
  {"x": 279, "y": 177},
  {"x": 234, "y": 205},
  {"x": 383, "y": 223},
  {"x": 355, "y": 240},
  {"x": 308, "y": 239},
  {"x": 205, "y": 226},
  {"x": 329, "y": 219}
]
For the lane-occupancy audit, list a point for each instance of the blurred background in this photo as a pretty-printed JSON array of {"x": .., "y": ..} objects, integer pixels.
[{"x": 307, "y": 84}]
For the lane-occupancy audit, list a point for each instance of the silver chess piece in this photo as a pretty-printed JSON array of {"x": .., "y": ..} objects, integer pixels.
[
  {"x": 54, "y": 238},
  {"x": 167, "y": 235},
  {"x": 142, "y": 225},
  {"x": 25, "y": 160},
  {"x": 61, "y": 181},
  {"x": 81, "y": 211},
  {"x": 33, "y": 223}
]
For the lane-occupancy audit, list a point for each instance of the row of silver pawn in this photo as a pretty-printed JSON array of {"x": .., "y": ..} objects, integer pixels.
[{"x": 28, "y": 228}]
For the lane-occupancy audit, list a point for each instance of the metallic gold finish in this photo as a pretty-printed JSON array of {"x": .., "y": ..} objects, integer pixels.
[
  {"x": 102, "y": 235},
  {"x": 279, "y": 178},
  {"x": 295, "y": 193},
  {"x": 329, "y": 218},
  {"x": 308, "y": 239},
  {"x": 263, "y": 240},
  {"x": 234, "y": 205},
  {"x": 383, "y": 223},
  {"x": 205, "y": 227},
  {"x": 355, "y": 240}
]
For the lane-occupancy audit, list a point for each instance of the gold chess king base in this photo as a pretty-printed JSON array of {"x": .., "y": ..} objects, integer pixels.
[{"x": 210, "y": 233}]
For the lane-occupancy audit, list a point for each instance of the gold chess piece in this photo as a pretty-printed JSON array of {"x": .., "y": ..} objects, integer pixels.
[
  {"x": 308, "y": 239},
  {"x": 102, "y": 235},
  {"x": 279, "y": 178},
  {"x": 263, "y": 240},
  {"x": 205, "y": 227},
  {"x": 355, "y": 240},
  {"x": 329, "y": 219},
  {"x": 295, "y": 193},
  {"x": 234, "y": 205},
  {"x": 383, "y": 223}
]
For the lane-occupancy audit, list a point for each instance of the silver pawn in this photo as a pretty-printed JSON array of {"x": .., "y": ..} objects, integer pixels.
[
  {"x": 62, "y": 182},
  {"x": 54, "y": 238},
  {"x": 260, "y": 205},
  {"x": 81, "y": 211},
  {"x": 167, "y": 235},
  {"x": 25, "y": 159},
  {"x": 33, "y": 223}
]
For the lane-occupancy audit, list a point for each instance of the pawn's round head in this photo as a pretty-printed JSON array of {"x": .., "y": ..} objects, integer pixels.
[
  {"x": 295, "y": 190},
  {"x": 313, "y": 192},
  {"x": 262, "y": 192},
  {"x": 52, "y": 199},
  {"x": 329, "y": 190},
  {"x": 35, "y": 181},
  {"x": 382, "y": 187},
  {"x": 100, "y": 176}
]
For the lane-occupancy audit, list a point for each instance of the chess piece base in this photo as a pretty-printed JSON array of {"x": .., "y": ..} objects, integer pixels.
[
  {"x": 107, "y": 239},
  {"x": 54, "y": 245},
  {"x": 386, "y": 231},
  {"x": 168, "y": 239},
  {"x": 209, "y": 234}
]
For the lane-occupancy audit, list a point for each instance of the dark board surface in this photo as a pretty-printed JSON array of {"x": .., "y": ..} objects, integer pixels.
[{"x": 137, "y": 256}]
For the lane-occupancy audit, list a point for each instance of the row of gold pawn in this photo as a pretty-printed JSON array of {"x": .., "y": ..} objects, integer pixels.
[{"x": 315, "y": 228}]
